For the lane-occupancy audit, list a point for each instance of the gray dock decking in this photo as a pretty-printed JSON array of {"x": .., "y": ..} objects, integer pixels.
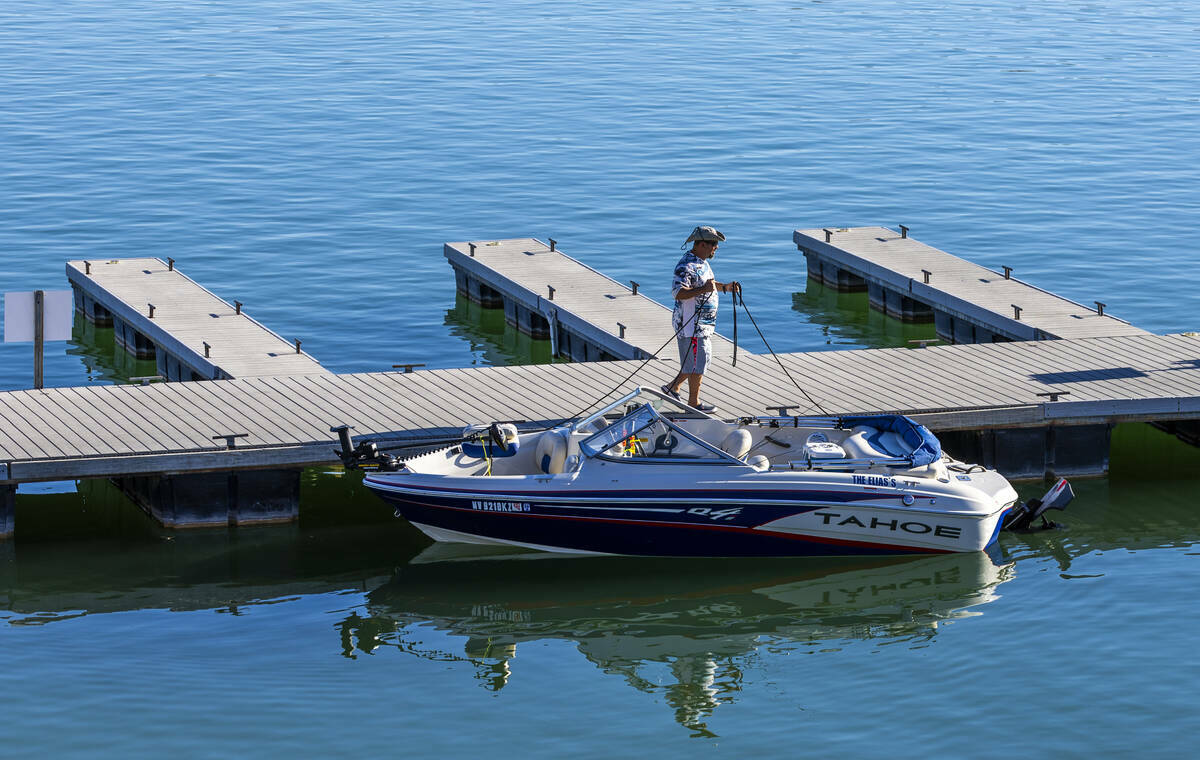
[
  {"x": 186, "y": 316},
  {"x": 585, "y": 315},
  {"x": 892, "y": 268},
  {"x": 63, "y": 433}
]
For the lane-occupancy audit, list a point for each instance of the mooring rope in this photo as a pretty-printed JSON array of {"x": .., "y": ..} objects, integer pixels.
[{"x": 738, "y": 297}]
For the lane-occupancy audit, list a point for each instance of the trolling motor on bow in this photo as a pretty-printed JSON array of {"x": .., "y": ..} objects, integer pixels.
[
  {"x": 485, "y": 441},
  {"x": 1023, "y": 515},
  {"x": 363, "y": 456}
]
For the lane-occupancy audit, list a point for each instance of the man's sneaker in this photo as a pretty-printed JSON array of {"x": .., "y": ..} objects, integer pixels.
[
  {"x": 706, "y": 408},
  {"x": 666, "y": 389}
]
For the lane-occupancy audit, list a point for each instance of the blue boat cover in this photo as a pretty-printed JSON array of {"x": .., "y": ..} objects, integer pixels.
[{"x": 926, "y": 448}]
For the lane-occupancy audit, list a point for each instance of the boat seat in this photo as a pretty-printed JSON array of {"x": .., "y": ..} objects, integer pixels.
[
  {"x": 737, "y": 443},
  {"x": 551, "y": 451},
  {"x": 869, "y": 443},
  {"x": 891, "y": 444},
  {"x": 759, "y": 462}
]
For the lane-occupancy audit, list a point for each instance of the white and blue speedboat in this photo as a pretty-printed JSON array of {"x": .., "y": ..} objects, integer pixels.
[{"x": 649, "y": 476}]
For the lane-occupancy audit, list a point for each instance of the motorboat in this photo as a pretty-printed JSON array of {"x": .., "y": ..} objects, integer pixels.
[{"x": 648, "y": 475}]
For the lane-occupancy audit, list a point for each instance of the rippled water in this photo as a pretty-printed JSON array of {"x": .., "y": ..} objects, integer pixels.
[{"x": 309, "y": 159}]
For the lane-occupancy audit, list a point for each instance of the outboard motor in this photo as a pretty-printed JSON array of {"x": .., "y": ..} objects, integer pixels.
[{"x": 1022, "y": 517}]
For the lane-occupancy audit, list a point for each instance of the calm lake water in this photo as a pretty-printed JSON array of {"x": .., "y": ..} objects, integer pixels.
[{"x": 309, "y": 158}]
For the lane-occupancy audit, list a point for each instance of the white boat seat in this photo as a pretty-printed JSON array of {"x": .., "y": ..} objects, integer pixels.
[
  {"x": 737, "y": 443},
  {"x": 759, "y": 462},
  {"x": 869, "y": 443},
  {"x": 551, "y": 451},
  {"x": 893, "y": 444}
]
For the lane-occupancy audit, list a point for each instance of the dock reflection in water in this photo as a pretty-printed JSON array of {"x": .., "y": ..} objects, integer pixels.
[{"x": 680, "y": 628}]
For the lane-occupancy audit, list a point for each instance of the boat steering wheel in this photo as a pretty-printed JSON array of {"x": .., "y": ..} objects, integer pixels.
[{"x": 665, "y": 442}]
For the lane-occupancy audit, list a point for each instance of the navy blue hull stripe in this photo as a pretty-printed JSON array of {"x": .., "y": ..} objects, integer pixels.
[{"x": 636, "y": 536}]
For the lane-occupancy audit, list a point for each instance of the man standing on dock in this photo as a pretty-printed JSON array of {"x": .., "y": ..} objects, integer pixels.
[{"x": 695, "y": 315}]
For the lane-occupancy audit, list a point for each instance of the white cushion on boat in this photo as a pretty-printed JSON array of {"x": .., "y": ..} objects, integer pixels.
[
  {"x": 869, "y": 443},
  {"x": 817, "y": 438},
  {"x": 874, "y": 444},
  {"x": 894, "y": 444},
  {"x": 737, "y": 443},
  {"x": 759, "y": 462},
  {"x": 551, "y": 452},
  {"x": 823, "y": 450},
  {"x": 857, "y": 446}
]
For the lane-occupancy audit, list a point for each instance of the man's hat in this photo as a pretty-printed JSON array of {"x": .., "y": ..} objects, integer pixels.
[{"x": 706, "y": 234}]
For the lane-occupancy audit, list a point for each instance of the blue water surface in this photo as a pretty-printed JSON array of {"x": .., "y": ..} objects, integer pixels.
[{"x": 309, "y": 158}]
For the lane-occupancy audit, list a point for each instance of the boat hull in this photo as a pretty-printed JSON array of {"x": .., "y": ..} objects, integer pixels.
[{"x": 650, "y": 524}]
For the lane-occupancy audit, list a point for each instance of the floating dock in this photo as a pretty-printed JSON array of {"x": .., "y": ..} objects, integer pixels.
[
  {"x": 266, "y": 422},
  {"x": 967, "y": 303},
  {"x": 229, "y": 452},
  {"x": 586, "y": 315},
  {"x": 159, "y": 313}
]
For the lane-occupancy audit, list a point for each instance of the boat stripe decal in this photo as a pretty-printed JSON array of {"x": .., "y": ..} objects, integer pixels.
[{"x": 700, "y": 526}]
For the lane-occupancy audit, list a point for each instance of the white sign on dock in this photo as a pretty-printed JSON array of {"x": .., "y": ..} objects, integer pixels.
[{"x": 58, "y": 316}]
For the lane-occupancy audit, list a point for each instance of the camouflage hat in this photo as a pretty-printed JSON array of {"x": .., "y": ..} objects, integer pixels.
[{"x": 706, "y": 234}]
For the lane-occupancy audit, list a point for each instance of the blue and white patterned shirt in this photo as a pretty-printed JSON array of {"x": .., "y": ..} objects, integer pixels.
[{"x": 692, "y": 272}]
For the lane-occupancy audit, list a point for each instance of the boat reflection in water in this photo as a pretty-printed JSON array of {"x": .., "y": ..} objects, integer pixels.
[{"x": 674, "y": 627}]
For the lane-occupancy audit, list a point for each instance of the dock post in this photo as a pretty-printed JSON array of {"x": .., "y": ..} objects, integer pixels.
[
  {"x": 8, "y": 511},
  {"x": 552, "y": 322},
  {"x": 39, "y": 335}
]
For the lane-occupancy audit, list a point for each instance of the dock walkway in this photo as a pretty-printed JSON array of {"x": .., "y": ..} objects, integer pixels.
[
  {"x": 159, "y": 313},
  {"x": 968, "y": 303},
  {"x": 97, "y": 431},
  {"x": 585, "y": 314}
]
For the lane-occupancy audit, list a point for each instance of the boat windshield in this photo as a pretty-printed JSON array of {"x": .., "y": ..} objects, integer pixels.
[{"x": 644, "y": 434}]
